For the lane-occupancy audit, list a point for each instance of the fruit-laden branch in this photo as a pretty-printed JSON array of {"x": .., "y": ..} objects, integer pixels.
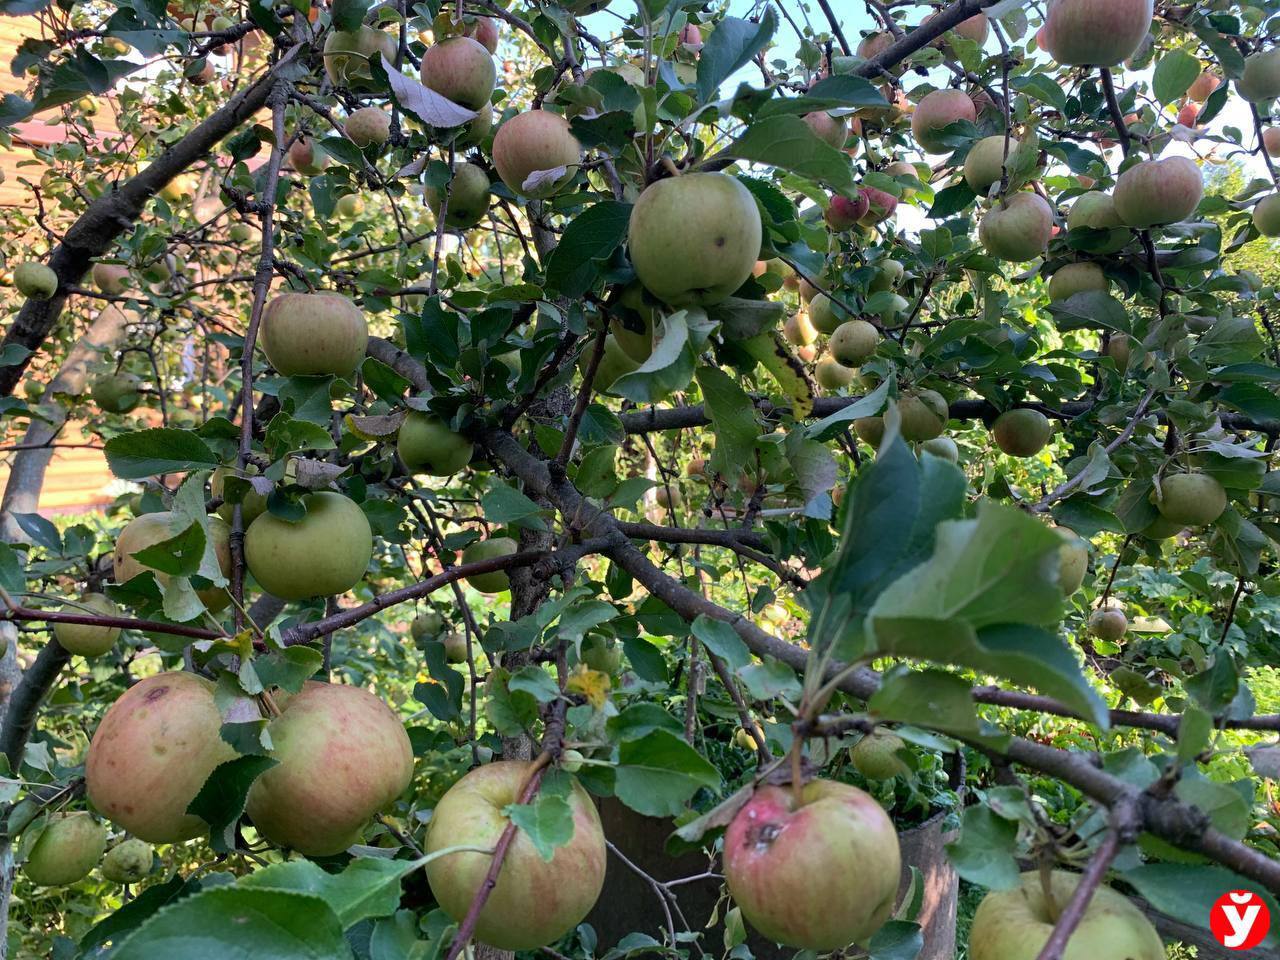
[
  {"x": 729, "y": 539},
  {"x": 24, "y": 705},
  {"x": 656, "y": 419},
  {"x": 1122, "y": 817},
  {"x": 922, "y": 36},
  {"x": 114, "y": 212},
  {"x": 1163, "y": 815}
]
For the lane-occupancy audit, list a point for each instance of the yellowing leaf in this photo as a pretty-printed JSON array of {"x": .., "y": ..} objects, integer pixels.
[{"x": 592, "y": 684}]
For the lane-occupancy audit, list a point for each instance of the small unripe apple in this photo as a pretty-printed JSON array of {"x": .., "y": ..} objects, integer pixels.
[
  {"x": 456, "y": 646},
  {"x": 853, "y": 342},
  {"x": 313, "y": 334},
  {"x": 601, "y": 655},
  {"x": 798, "y": 330},
  {"x": 428, "y": 624},
  {"x": 1191, "y": 499},
  {"x": 697, "y": 467},
  {"x": 83, "y": 639},
  {"x": 243, "y": 233},
  {"x": 116, "y": 392},
  {"x": 844, "y": 214},
  {"x": 495, "y": 581},
  {"x": 1097, "y": 211},
  {"x": 1266, "y": 215},
  {"x": 1156, "y": 192},
  {"x": 1018, "y": 228},
  {"x": 888, "y": 275},
  {"x": 66, "y": 850},
  {"x": 460, "y": 69},
  {"x": 368, "y": 126},
  {"x": 473, "y": 134},
  {"x": 985, "y": 162},
  {"x": 252, "y": 506},
  {"x": 306, "y": 159},
  {"x": 937, "y": 110},
  {"x": 778, "y": 842},
  {"x": 152, "y": 753},
  {"x": 535, "y": 901},
  {"x": 343, "y": 756},
  {"x": 111, "y": 278},
  {"x": 614, "y": 364},
  {"x": 825, "y": 314},
  {"x": 943, "y": 447},
  {"x": 35, "y": 280},
  {"x": 1260, "y": 79},
  {"x": 875, "y": 756},
  {"x": 693, "y": 239},
  {"x": 128, "y": 861},
  {"x": 532, "y": 142},
  {"x": 1119, "y": 348},
  {"x": 1022, "y": 432},
  {"x": 1073, "y": 560},
  {"x": 349, "y": 205},
  {"x": 691, "y": 36},
  {"x": 1073, "y": 278},
  {"x": 1108, "y": 623},
  {"x": 571, "y": 760},
  {"x": 1096, "y": 33},
  {"x": 347, "y": 53},
  {"x": 1018, "y": 922},
  {"x": 323, "y": 554},
  {"x": 427, "y": 445},
  {"x": 468, "y": 197},
  {"x": 830, "y": 130}
]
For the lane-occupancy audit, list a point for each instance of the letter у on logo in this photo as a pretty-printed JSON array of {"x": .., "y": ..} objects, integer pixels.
[{"x": 1240, "y": 920}]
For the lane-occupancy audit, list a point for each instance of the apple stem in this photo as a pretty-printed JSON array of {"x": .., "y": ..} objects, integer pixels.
[{"x": 797, "y": 784}]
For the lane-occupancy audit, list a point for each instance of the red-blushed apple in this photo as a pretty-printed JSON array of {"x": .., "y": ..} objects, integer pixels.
[
  {"x": 1017, "y": 228},
  {"x": 66, "y": 850},
  {"x": 1203, "y": 85},
  {"x": 1096, "y": 33},
  {"x": 484, "y": 30},
  {"x": 152, "y": 753},
  {"x": 313, "y": 334},
  {"x": 368, "y": 126},
  {"x": 152, "y": 528},
  {"x": 799, "y": 330},
  {"x": 343, "y": 756},
  {"x": 427, "y": 445},
  {"x": 880, "y": 205},
  {"x": 1156, "y": 192},
  {"x": 691, "y": 37},
  {"x": 1187, "y": 114},
  {"x": 1015, "y": 924},
  {"x": 817, "y": 872},
  {"x": 533, "y": 142},
  {"x": 1271, "y": 141},
  {"x": 535, "y": 901},
  {"x": 874, "y": 44},
  {"x": 323, "y": 554},
  {"x": 693, "y": 239},
  {"x": 937, "y": 110},
  {"x": 461, "y": 70},
  {"x": 830, "y": 130},
  {"x": 844, "y": 214}
]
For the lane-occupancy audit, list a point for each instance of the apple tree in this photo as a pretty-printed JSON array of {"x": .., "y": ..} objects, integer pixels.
[{"x": 780, "y": 423}]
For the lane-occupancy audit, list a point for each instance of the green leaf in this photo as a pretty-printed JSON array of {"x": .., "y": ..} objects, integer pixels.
[
  {"x": 641, "y": 719},
  {"x": 896, "y": 940},
  {"x": 148, "y": 453},
  {"x": 547, "y": 822},
  {"x": 1174, "y": 74},
  {"x": 1090, "y": 309},
  {"x": 590, "y": 237},
  {"x": 985, "y": 852},
  {"x": 836, "y": 423},
  {"x": 658, "y": 774},
  {"x": 504, "y": 504},
  {"x": 536, "y": 682},
  {"x": 733, "y": 420},
  {"x": 130, "y": 916},
  {"x": 349, "y": 14},
  {"x": 829, "y": 93},
  {"x": 952, "y": 200},
  {"x": 770, "y": 679},
  {"x": 221, "y": 800},
  {"x": 180, "y": 555},
  {"x": 722, "y": 640},
  {"x": 680, "y": 338},
  {"x": 235, "y": 923},
  {"x": 1043, "y": 88},
  {"x": 730, "y": 48},
  {"x": 289, "y": 668},
  {"x": 367, "y": 887},
  {"x": 788, "y": 143},
  {"x": 12, "y": 575},
  {"x": 1188, "y": 892},
  {"x": 945, "y": 698}
]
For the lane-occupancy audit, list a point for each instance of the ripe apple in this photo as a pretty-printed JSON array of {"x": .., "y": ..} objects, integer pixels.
[
  {"x": 693, "y": 239},
  {"x": 880, "y": 206},
  {"x": 615, "y": 364},
  {"x": 936, "y": 111},
  {"x": 468, "y": 197},
  {"x": 1271, "y": 141},
  {"x": 116, "y": 392},
  {"x": 111, "y": 278},
  {"x": 943, "y": 447},
  {"x": 343, "y": 756},
  {"x": 1108, "y": 623},
  {"x": 128, "y": 861},
  {"x": 1203, "y": 85},
  {"x": 901, "y": 168},
  {"x": 306, "y": 159},
  {"x": 368, "y": 126},
  {"x": 427, "y": 445},
  {"x": 473, "y": 134},
  {"x": 870, "y": 430},
  {"x": 152, "y": 528},
  {"x": 831, "y": 374},
  {"x": 85, "y": 640},
  {"x": 535, "y": 901},
  {"x": 460, "y": 69},
  {"x": 888, "y": 275},
  {"x": 1075, "y": 278},
  {"x": 875, "y": 756},
  {"x": 777, "y": 843},
  {"x": 853, "y": 342},
  {"x": 252, "y": 506},
  {"x": 874, "y": 44},
  {"x": 1266, "y": 215},
  {"x": 323, "y": 554},
  {"x": 825, "y": 314},
  {"x": 798, "y": 330},
  {"x": 1018, "y": 922},
  {"x": 533, "y": 142},
  {"x": 152, "y": 753},
  {"x": 830, "y": 130},
  {"x": 313, "y": 334},
  {"x": 924, "y": 415},
  {"x": 35, "y": 280},
  {"x": 347, "y": 53},
  {"x": 844, "y": 214},
  {"x": 986, "y": 160},
  {"x": 1260, "y": 79},
  {"x": 496, "y": 581},
  {"x": 484, "y": 30},
  {"x": 1187, "y": 114},
  {"x": 1156, "y": 192},
  {"x": 1073, "y": 560},
  {"x": 1119, "y": 348},
  {"x": 1018, "y": 228},
  {"x": 1096, "y": 33},
  {"x": 1021, "y": 432},
  {"x": 1191, "y": 499},
  {"x": 66, "y": 850}
]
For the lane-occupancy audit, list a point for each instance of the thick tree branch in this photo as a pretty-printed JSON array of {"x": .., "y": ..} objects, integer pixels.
[{"x": 20, "y": 719}]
